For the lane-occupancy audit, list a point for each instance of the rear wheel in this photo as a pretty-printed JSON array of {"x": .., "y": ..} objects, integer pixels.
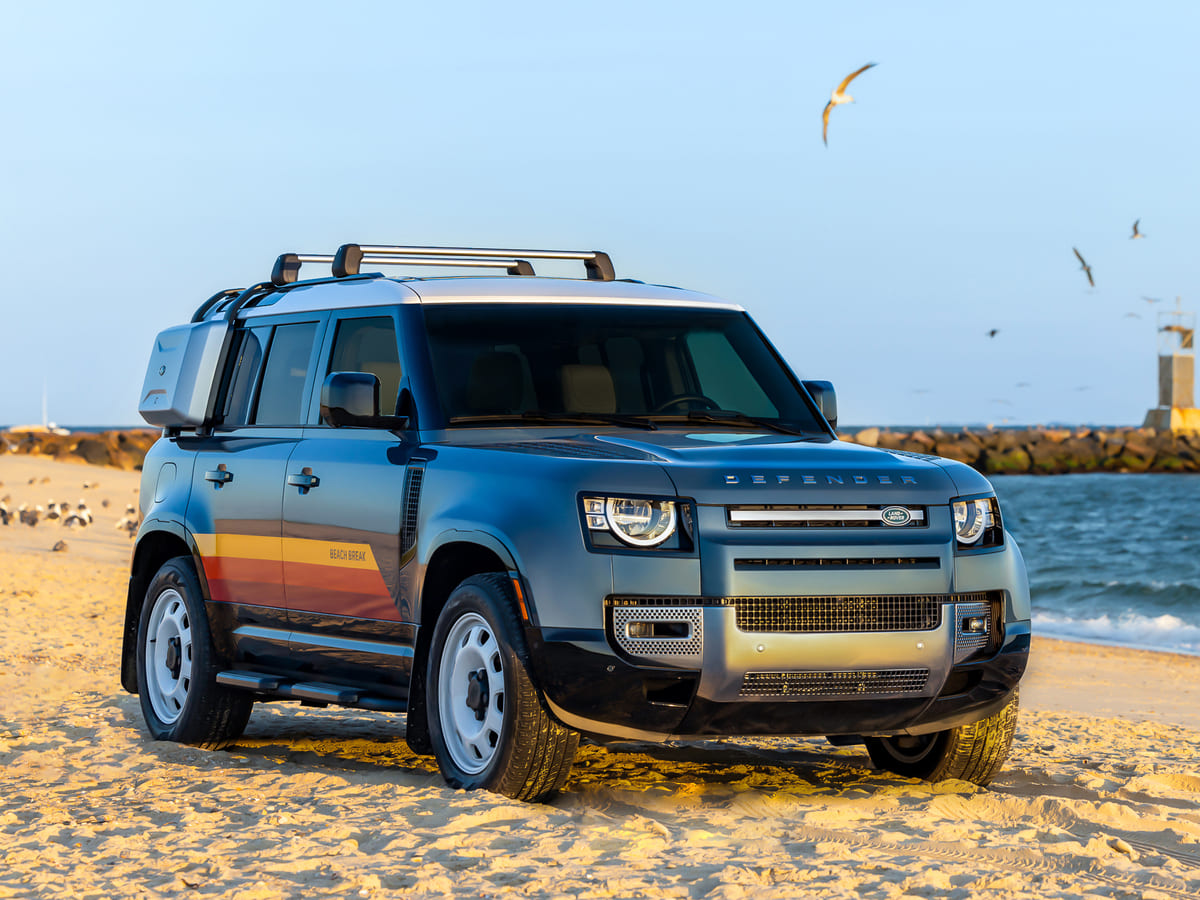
[
  {"x": 972, "y": 752},
  {"x": 177, "y": 665},
  {"x": 487, "y": 724}
]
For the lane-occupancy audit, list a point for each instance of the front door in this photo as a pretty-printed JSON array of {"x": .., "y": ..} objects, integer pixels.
[{"x": 342, "y": 527}]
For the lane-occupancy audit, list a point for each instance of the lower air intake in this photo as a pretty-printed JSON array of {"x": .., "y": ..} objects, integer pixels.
[{"x": 834, "y": 684}]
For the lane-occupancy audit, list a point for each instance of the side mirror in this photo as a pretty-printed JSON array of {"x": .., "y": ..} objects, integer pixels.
[
  {"x": 825, "y": 397},
  {"x": 352, "y": 399}
]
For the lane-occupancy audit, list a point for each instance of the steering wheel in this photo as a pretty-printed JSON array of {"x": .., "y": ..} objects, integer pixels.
[{"x": 709, "y": 402}]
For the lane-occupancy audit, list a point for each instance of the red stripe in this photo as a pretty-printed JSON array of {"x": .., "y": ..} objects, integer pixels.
[{"x": 254, "y": 581}]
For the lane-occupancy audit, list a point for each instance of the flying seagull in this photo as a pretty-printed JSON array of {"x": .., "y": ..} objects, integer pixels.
[
  {"x": 993, "y": 332},
  {"x": 1086, "y": 268},
  {"x": 1132, "y": 316},
  {"x": 839, "y": 97},
  {"x": 1152, "y": 299},
  {"x": 1136, "y": 233}
]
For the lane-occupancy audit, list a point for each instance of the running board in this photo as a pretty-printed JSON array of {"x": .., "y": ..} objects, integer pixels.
[{"x": 309, "y": 691}]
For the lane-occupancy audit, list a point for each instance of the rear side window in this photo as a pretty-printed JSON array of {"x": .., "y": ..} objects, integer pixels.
[
  {"x": 251, "y": 346},
  {"x": 369, "y": 345},
  {"x": 281, "y": 397}
]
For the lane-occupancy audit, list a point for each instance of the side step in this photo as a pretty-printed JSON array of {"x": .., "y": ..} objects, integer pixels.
[{"x": 310, "y": 691}]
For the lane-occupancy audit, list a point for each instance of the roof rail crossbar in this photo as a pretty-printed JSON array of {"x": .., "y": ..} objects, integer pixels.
[
  {"x": 287, "y": 266},
  {"x": 202, "y": 310},
  {"x": 511, "y": 266},
  {"x": 350, "y": 256}
]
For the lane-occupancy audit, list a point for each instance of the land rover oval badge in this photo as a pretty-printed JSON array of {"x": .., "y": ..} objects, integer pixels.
[{"x": 895, "y": 515}]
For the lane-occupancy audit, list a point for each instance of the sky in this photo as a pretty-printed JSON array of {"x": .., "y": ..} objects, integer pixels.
[{"x": 156, "y": 153}]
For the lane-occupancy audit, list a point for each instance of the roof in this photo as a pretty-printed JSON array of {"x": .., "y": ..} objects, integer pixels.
[{"x": 377, "y": 290}]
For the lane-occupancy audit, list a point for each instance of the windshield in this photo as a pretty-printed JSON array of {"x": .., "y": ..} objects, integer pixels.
[{"x": 498, "y": 361}]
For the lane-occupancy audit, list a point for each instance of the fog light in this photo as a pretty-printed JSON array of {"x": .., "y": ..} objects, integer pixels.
[
  {"x": 640, "y": 629},
  {"x": 975, "y": 625}
]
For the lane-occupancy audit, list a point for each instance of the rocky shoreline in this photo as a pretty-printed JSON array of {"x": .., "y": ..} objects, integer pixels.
[
  {"x": 119, "y": 449},
  {"x": 1037, "y": 451},
  {"x": 1047, "y": 451}
]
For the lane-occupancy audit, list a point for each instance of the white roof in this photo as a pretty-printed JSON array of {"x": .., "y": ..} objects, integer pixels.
[{"x": 355, "y": 292}]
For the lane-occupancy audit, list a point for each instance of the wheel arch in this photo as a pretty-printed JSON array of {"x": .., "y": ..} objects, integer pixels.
[
  {"x": 157, "y": 544},
  {"x": 456, "y": 557}
]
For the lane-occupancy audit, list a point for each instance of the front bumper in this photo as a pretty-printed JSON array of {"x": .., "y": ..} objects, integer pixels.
[{"x": 589, "y": 688}]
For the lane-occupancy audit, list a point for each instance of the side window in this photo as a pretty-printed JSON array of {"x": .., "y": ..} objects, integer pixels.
[
  {"x": 369, "y": 345},
  {"x": 252, "y": 343},
  {"x": 281, "y": 397}
]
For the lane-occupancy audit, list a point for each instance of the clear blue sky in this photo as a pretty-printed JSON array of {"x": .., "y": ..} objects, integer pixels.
[{"x": 155, "y": 153}]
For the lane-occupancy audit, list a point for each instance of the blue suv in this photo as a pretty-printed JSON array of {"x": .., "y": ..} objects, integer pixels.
[{"x": 520, "y": 509}]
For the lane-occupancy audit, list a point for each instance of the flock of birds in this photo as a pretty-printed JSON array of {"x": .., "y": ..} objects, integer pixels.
[
  {"x": 64, "y": 515},
  {"x": 840, "y": 97}
]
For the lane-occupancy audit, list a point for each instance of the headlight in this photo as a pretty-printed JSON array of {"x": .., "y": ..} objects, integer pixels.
[
  {"x": 635, "y": 521},
  {"x": 977, "y": 522}
]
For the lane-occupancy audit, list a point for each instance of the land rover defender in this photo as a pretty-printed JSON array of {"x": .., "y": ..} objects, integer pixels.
[{"x": 520, "y": 508}]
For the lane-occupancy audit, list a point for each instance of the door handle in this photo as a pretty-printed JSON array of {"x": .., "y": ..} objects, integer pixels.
[
  {"x": 305, "y": 480},
  {"x": 220, "y": 475}
]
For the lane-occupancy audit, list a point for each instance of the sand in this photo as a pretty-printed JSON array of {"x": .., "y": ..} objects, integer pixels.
[{"x": 1099, "y": 799}]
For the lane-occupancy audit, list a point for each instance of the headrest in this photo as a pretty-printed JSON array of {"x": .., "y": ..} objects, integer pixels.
[{"x": 588, "y": 389}]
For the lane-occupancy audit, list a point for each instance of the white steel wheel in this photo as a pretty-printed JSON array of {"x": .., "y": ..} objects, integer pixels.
[
  {"x": 471, "y": 693},
  {"x": 177, "y": 665},
  {"x": 168, "y": 656}
]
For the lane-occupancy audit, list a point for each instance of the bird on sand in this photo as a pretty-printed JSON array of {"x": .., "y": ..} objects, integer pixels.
[
  {"x": 1136, "y": 233},
  {"x": 839, "y": 97},
  {"x": 1086, "y": 268},
  {"x": 993, "y": 332}
]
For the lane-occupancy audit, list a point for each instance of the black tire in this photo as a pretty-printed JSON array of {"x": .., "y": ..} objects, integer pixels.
[
  {"x": 500, "y": 740},
  {"x": 177, "y": 665},
  {"x": 972, "y": 752}
]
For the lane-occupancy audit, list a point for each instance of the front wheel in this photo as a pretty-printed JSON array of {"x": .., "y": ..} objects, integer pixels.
[
  {"x": 177, "y": 666},
  {"x": 972, "y": 752},
  {"x": 486, "y": 721}
]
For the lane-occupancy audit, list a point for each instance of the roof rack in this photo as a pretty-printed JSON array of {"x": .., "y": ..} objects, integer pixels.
[
  {"x": 287, "y": 266},
  {"x": 350, "y": 257}
]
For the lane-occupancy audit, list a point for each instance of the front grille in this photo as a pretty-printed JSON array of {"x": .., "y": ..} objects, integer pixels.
[
  {"x": 813, "y": 615},
  {"x": 826, "y": 516},
  {"x": 850, "y": 562},
  {"x": 834, "y": 684}
]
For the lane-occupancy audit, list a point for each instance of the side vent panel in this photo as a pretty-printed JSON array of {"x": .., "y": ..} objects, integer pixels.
[{"x": 412, "y": 506}]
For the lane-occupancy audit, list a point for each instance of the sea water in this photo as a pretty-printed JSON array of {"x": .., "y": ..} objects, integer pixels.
[{"x": 1111, "y": 558}]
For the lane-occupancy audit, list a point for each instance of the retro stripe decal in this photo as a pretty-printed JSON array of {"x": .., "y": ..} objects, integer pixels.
[{"x": 332, "y": 577}]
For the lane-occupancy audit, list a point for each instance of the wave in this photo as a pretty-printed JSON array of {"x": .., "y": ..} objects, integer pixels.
[{"x": 1165, "y": 632}]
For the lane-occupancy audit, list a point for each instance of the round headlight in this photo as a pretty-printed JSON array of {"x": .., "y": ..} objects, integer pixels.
[
  {"x": 642, "y": 523},
  {"x": 971, "y": 519}
]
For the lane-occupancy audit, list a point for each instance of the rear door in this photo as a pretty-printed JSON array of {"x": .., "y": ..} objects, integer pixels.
[
  {"x": 236, "y": 503},
  {"x": 343, "y": 523}
]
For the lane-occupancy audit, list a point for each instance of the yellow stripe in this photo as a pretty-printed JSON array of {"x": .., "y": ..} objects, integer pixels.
[{"x": 293, "y": 550}]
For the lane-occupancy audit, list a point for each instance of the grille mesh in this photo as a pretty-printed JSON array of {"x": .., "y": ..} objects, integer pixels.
[
  {"x": 812, "y": 615},
  {"x": 692, "y": 645},
  {"x": 839, "y": 684}
]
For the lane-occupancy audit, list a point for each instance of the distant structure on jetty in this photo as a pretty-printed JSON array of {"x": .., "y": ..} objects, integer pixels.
[{"x": 1176, "y": 409}]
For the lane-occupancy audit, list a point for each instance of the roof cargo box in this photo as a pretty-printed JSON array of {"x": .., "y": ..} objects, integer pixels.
[{"x": 182, "y": 373}]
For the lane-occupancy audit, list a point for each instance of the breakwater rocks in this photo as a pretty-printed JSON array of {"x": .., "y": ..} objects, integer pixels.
[
  {"x": 1047, "y": 451},
  {"x": 121, "y": 449}
]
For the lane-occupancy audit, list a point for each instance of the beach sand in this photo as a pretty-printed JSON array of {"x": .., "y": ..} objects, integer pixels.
[{"x": 1100, "y": 798}]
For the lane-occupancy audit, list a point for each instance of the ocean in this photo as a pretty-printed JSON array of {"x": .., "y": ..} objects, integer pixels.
[{"x": 1112, "y": 558}]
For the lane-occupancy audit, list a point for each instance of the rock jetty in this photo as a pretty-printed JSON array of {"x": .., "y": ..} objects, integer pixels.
[
  {"x": 1047, "y": 451},
  {"x": 120, "y": 449}
]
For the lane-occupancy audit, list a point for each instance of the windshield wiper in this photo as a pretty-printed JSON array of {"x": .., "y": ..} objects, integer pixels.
[
  {"x": 565, "y": 418},
  {"x": 737, "y": 419}
]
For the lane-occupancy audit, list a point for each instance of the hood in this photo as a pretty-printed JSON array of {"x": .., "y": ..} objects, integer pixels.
[{"x": 752, "y": 467}]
